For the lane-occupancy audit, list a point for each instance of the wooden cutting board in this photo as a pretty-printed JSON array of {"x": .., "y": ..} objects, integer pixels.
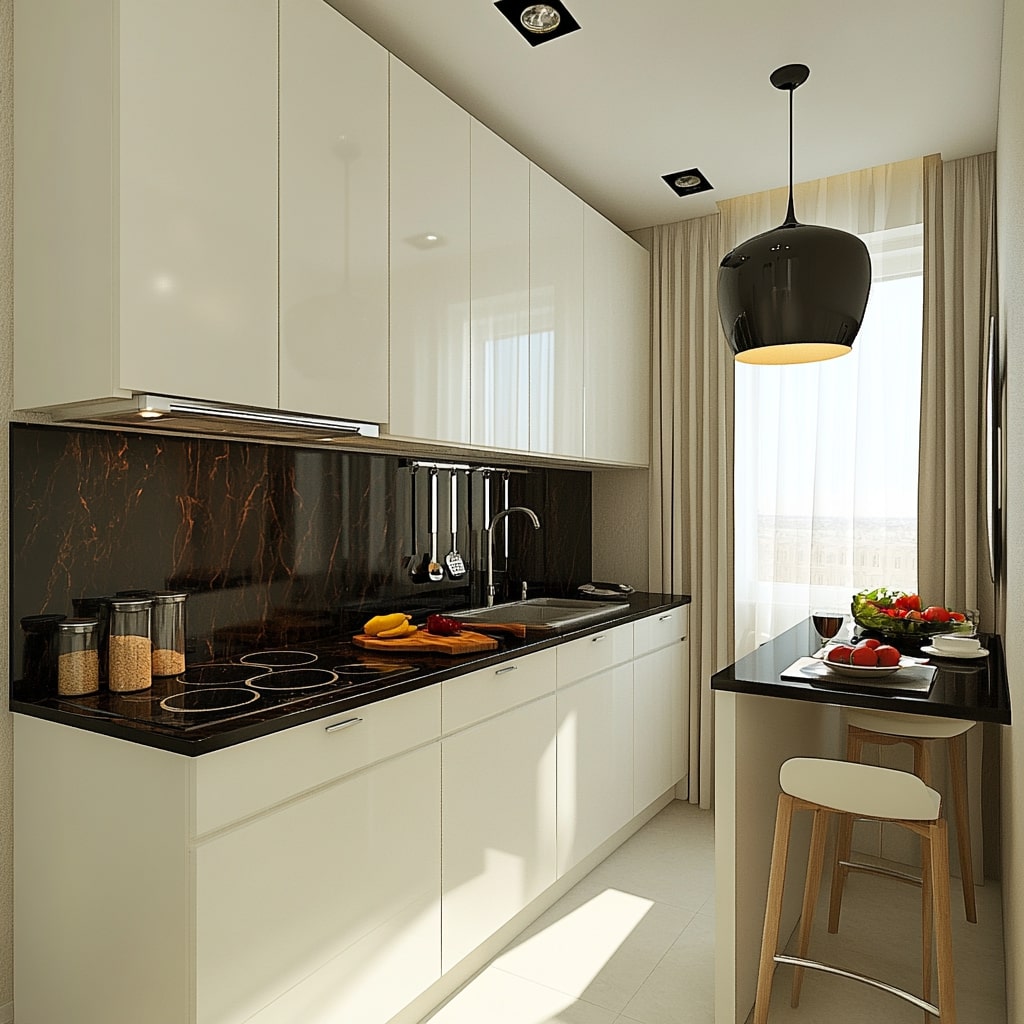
[{"x": 465, "y": 642}]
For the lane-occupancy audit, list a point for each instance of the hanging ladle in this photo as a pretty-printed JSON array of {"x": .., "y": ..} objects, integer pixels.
[{"x": 434, "y": 571}]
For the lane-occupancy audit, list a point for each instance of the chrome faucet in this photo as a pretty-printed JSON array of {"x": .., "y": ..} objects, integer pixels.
[{"x": 490, "y": 544}]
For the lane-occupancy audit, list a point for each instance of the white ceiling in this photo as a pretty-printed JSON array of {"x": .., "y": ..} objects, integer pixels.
[{"x": 648, "y": 87}]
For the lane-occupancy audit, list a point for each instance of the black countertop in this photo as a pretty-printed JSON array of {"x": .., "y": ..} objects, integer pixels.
[
  {"x": 106, "y": 713},
  {"x": 969, "y": 689}
]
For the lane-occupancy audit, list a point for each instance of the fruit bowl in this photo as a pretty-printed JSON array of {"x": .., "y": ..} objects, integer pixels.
[
  {"x": 862, "y": 671},
  {"x": 872, "y": 611}
]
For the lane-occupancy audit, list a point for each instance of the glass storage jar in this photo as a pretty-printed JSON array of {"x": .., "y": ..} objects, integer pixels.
[
  {"x": 168, "y": 632},
  {"x": 78, "y": 658},
  {"x": 129, "y": 647},
  {"x": 39, "y": 656},
  {"x": 97, "y": 608}
]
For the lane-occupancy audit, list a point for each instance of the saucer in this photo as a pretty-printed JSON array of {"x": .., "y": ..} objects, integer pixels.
[{"x": 981, "y": 652}]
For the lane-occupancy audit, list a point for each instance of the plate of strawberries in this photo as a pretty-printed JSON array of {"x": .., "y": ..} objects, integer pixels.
[{"x": 869, "y": 658}]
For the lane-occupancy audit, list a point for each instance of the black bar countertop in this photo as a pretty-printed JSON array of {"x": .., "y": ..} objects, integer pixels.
[
  {"x": 428, "y": 670},
  {"x": 969, "y": 689}
]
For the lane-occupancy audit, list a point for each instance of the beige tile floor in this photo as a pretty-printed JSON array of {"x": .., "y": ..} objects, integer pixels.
[{"x": 632, "y": 943}]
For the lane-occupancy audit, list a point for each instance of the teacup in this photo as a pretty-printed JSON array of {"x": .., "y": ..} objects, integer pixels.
[{"x": 954, "y": 643}]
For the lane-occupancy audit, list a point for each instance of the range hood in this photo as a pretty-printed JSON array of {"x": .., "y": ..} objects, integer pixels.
[{"x": 184, "y": 415}]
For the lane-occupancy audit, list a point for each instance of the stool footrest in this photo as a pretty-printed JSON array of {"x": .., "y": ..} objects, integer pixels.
[
  {"x": 874, "y": 869},
  {"x": 816, "y": 965}
]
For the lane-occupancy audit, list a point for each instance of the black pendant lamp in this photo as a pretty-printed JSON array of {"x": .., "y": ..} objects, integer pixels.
[{"x": 797, "y": 293}]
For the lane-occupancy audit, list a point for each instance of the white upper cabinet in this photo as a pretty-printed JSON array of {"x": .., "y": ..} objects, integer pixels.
[
  {"x": 334, "y": 215},
  {"x": 500, "y": 307},
  {"x": 616, "y": 321},
  {"x": 430, "y": 262},
  {"x": 146, "y": 200},
  {"x": 556, "y": 317}
]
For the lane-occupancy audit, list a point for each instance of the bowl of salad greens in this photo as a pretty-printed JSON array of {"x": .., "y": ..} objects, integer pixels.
[{"x": 893, "y": 613}]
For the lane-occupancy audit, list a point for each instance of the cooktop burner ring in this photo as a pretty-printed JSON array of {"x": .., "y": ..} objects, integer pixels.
[
  {"x": 287, "y": 680},
  {"x": 209, "y": 700},
  {"x": 278, "y": 659},
  {"x": 220, "y": 674}
]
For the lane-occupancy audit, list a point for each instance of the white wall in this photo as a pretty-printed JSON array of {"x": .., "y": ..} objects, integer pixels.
[
  {"x": 6, "y": 360},
  {"x": 1010, "y": 231}
]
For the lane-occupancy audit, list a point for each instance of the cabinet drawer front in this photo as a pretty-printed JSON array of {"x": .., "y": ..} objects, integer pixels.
[
  {"x": 578, "y": 659},
  {"x": 660, "y": 630},
  {"x": 236, "y": 782},
  {"x": 479, "y": 695}
]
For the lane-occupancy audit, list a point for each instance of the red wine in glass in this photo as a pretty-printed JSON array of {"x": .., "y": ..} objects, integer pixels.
[{"x": 826, "y": 624}]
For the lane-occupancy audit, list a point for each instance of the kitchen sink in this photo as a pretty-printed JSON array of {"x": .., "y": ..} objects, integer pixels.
[{"x": 545, "y": 614}]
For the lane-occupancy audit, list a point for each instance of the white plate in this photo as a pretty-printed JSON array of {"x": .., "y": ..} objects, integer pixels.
[
  {"x": 981, "y": 652},
  {"x": 862, "y": 671}
]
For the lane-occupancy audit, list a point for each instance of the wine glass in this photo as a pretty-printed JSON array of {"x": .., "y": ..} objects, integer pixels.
[{"x": 827, "y": 622}]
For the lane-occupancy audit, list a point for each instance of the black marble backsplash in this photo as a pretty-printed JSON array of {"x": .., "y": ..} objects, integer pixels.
[{"x": 274, "y": 544}]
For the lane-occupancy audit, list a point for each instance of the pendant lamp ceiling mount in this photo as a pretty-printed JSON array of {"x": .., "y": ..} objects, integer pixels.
[{"x": 797, "y": 293}]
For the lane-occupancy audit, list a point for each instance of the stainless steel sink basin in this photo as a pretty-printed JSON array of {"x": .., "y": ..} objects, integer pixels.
[{"x": 546, "y": 614}]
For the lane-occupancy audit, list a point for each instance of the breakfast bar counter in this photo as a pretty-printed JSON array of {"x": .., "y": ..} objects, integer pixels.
[
  {"x": 962, "y": 688},
  {"x": 756, "y": 731}
]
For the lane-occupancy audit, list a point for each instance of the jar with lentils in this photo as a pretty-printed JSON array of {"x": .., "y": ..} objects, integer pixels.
[{"x": 129, "y": 647}]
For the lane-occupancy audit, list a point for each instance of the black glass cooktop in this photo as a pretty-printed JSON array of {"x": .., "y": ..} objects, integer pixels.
[{"x": 258, "y": 683}]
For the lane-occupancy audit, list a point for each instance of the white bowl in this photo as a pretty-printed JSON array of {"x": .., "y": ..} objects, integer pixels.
[{"x": 954, "y": 643}]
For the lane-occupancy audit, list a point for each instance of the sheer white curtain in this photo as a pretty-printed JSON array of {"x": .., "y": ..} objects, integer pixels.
[{"x": 827, "y": 453}]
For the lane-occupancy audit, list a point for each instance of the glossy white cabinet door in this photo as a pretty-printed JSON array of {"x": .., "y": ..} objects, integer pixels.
[
  {"x": 334, "y": 215},
  {"x": 430, "y": 261},
  {"x": 500, "y": 311},
  {"x": 197, "y": 96},
  {"x": 661, "y": 713},
  {"x": 595, "y": 762},
  {"x": 498, "y": 824},
  {"x": 556, "y": 317},
  {"x": 327, "y": 909},
  {"x": 616, "y": 327}
]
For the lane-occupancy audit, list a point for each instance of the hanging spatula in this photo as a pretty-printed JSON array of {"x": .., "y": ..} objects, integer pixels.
[{"x": 453, "y": 560}]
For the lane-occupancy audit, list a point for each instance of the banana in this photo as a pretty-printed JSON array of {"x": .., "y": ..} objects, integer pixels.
[
  {"x": 379, "y": 623},
  {"x": 405, "y": 629}
]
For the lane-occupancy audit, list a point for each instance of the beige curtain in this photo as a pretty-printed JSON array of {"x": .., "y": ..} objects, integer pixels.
[
  {"x": 691, "y": 464},
  {"x": 959, "y": 283}
]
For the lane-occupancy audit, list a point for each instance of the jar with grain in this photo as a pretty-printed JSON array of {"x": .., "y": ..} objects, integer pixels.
[
  {"x": 168, "y": 632},
  {"x": 78, "y": 658},
  {"x": 129, "y": 648},
  {"x": 97, "y": 608}
]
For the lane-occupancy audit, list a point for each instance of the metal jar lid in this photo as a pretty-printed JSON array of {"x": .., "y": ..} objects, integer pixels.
[
  {"x": 77, "y": 625},
  {"x": 131, "y": 604},
  {"x": 168, "y": 596}
]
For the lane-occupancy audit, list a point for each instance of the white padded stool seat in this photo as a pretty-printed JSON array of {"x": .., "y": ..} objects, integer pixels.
[
  {"x": 860, "y": 789},
  {"x": 844, "y": 790},
  {"x": 895, "y": 723}
]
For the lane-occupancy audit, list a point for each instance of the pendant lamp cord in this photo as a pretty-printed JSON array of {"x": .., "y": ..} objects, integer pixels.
[{"x": 790, "y": 214}]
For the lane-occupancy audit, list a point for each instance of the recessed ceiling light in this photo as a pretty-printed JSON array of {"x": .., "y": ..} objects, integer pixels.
[
  {"x": 537, "y": 23},
  {"x": 540, "y": 18},
  {"x": 687, "y": 183}
]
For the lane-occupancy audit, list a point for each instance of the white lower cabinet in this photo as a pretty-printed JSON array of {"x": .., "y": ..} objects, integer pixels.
[
  {"x": 661, "y": 705},
  {"x": 498, "y": 823},
  {"x": 325, "y": 909},
  {"x": 595, "y": 762}
]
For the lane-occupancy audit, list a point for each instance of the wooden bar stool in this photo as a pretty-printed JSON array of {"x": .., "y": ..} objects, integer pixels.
[
  {"x": 886, "y": 728},
  {"x": 827, "y": 788}
]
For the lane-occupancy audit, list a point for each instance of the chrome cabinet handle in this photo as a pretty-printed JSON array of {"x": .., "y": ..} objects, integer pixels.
[
  {"x": 338, "y": 726},
  {"x": 598, "y": 639},
  {"x": 507, "y": 668},
  {"x": 662, "y": 618}
]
